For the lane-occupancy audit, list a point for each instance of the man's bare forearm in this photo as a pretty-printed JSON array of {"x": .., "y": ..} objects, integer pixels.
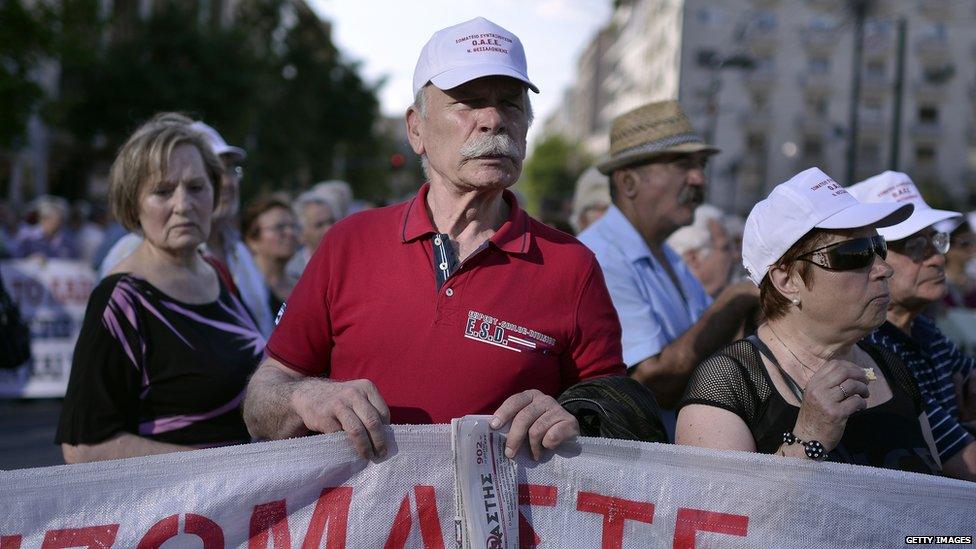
[
  {"x": 667, "y": 373},
  {"x": 122, "y": 445},
  {"x": 269, "y": 412}
]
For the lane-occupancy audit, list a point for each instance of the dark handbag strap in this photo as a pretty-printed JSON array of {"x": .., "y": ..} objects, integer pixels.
[
  {"x": 223, "y": 273},
  {"x": 766, "y": 352}
]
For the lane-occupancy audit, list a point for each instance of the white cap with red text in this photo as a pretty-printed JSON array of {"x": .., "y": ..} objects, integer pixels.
[
  {"x": 467, "y": 51},
  {"x": 810, "y": 200},
  {"x": 898, "y": 187}
]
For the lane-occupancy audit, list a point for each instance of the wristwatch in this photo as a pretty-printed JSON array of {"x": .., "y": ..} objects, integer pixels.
[{"x": 814, "y": 449}]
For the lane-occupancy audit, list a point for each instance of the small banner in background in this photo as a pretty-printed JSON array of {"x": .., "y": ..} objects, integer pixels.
[{"x": 52, "y": 295}]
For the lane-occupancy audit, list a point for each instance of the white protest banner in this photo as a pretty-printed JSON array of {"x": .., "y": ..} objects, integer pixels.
[
  {"x": 52, "y": 295},
  {"x": 315, "y": 492}
]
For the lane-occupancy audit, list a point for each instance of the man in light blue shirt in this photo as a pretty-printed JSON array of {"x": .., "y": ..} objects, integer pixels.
[{"x": 657, "y": 179}]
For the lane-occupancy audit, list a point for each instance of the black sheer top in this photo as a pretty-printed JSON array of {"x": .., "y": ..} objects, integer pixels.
[{"x": 887, "y": 435}]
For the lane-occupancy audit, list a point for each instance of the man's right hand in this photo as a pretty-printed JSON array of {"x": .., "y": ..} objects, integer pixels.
[{"x": 355, "y": 407}]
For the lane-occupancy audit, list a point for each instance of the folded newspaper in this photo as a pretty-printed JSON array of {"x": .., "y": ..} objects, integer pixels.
[{"x": 485, "y": 486}]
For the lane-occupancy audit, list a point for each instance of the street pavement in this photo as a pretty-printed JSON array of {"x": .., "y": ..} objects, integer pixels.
[{"x": 27, "y": 433}]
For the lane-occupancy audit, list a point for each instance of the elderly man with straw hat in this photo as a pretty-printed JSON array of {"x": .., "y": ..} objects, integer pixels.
[{"x": 657, "y": 179}]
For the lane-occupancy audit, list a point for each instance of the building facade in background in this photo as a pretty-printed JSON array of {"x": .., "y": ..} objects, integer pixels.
[{"x": 770, "y": 81}]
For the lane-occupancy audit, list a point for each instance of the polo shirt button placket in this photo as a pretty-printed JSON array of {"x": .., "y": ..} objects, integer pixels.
[{"x": 450, "y": 292}]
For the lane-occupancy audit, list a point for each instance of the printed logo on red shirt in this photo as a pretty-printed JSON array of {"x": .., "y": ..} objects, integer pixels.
[{"x": 501, "y": 333}]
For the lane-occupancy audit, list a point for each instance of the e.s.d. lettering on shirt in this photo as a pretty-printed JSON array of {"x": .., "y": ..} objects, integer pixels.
[{"x": 501, "y": 333}]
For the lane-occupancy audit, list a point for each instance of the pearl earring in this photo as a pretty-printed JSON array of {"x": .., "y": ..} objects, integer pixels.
[{"x": 796, "y": 302}]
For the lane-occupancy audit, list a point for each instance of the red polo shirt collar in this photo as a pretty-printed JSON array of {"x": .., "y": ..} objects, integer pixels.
[{"x": 514, "y": 236}]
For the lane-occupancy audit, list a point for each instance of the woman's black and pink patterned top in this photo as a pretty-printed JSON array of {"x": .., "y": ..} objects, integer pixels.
[{"x": 153, "y": 366}]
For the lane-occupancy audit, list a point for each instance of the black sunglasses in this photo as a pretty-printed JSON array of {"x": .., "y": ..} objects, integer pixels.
[{"x": 849, "y": 254}]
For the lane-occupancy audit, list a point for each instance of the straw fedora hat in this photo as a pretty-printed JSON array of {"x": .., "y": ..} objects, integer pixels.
[{"x": 656, "y": 129}]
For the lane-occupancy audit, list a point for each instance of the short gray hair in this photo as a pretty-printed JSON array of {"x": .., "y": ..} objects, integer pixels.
[
  {"x": 313, "y": 197},
  {"x": 47, "y": 204}
]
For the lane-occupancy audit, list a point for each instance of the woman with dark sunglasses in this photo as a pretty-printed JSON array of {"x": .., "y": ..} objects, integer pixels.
[
  {"x": 917, "y": 248},
  {"x": 804, "y": 385}
]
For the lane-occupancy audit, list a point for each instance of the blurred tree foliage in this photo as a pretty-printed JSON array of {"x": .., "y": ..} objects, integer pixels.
[
  {"x": 550, "y": 174},
  {"x": 270, "y": 80},
  {"x": 24, "y": 40}
]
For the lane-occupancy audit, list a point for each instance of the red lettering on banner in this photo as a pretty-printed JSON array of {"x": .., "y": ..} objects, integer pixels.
[
  {"x": 401, "y": 527},
  {"x": 10, "y": 542},
  {"x": 615, "y": 511},
  {"x": 690, "y": 521},
  {"x": 332, "y": 509},
  {"x": 92, "y": 537},
  {"x": 168, "y": 528},
  {"x": 69, "y": 290},
  {"x": 269, "y": 516},
  {"x": 430, "y": 521},
  {"x": 533, "y": 494},
  {"x": 205, "y": 529},
  {"x": 158, "y": 533}
]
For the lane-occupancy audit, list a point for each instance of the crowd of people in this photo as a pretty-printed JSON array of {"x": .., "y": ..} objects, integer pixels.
[{"x": 805, "y": 330}]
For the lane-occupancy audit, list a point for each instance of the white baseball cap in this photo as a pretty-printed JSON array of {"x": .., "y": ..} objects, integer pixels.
[
  {"x": 467, "y": 51},
  {"x": 217, "y": 143},
  {"x": 898, "y": 188},
  {"x": 810, "y": 200}
]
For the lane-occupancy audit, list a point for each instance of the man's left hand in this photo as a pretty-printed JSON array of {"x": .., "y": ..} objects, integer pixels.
[{"x": 538, "y": 416}]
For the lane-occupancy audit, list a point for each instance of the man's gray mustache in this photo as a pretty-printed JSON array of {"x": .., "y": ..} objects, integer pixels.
[
  {"x": 691, "y": 194},
  {"x": 491, "y": 145}
]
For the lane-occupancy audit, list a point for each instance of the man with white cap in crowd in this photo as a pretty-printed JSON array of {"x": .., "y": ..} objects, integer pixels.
[
  {"x": 916, "y": 252},
  {"x": 455, "y": 302},
  {"x": 657, "y": 180},
  {"x": 225, "y": 241}
]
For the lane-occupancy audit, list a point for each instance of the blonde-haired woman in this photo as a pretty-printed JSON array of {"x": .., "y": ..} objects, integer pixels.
[{"x": 166, "y": 346}]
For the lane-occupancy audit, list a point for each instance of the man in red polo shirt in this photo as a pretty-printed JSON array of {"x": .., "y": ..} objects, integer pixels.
[{"x": 455, "y": 302}]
